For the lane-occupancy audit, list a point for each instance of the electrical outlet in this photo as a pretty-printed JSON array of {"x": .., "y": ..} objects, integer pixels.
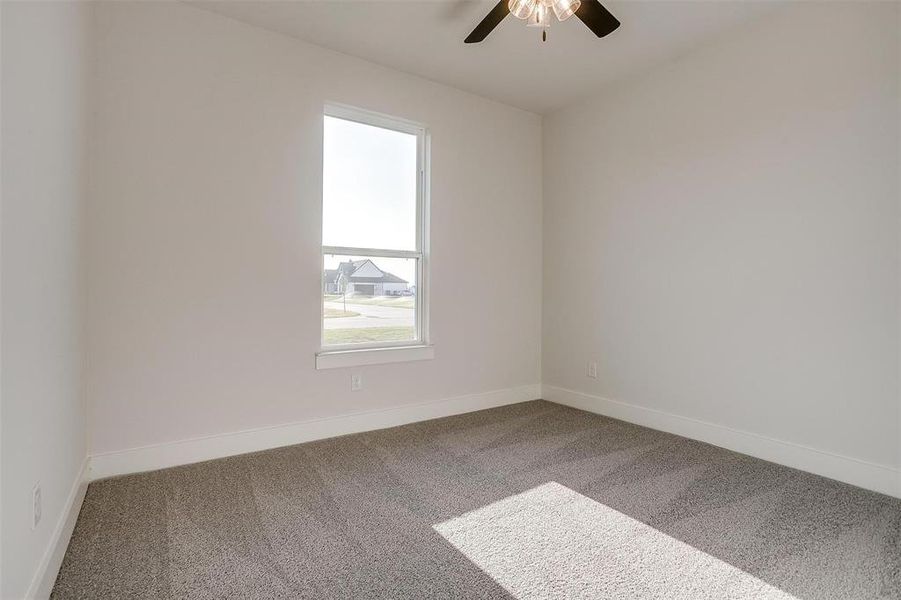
[
  {"x": 356, "y": 382},
  {"x": 35, "y": 505},
  {"x": 592, "y": 370}
]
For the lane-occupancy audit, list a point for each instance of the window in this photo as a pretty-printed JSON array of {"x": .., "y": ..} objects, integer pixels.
[{"x": 374, "y": 232}]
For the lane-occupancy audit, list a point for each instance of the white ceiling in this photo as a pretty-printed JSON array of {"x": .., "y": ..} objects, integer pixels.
[{"x": 425, "y": 38}]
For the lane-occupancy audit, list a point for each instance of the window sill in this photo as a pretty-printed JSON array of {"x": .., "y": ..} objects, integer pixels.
[{"x": 336, "y": 359}]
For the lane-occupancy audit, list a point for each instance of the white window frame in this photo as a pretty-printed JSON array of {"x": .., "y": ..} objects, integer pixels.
[{"x": 342, "y": 355}]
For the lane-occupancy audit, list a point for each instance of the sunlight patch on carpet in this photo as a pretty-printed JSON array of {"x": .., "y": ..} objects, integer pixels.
[{"x": 552, "y": 542}]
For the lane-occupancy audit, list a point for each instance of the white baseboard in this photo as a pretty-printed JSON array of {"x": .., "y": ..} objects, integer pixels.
[
  {"x": 160, "y": 456},
  {"x": 872, "y": 476},
  {"x": 48, "y": 568}
]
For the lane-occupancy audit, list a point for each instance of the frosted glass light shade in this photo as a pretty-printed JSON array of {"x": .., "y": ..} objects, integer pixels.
[
  {"x": 564, "y": 9},
  {"x": 522, "y": 9}
]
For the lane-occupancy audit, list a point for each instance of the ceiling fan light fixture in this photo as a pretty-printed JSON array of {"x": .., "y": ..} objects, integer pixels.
[
  {"x": 564, "y": 9},
  {"x": 522, "y": 9},
  {"x": 536, "y": 13}
]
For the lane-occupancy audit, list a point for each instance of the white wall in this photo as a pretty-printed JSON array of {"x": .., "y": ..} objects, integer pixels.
[
  {"x": 45, "y": 61},
  {"x": 722, "y": 234},
  {"x": 204, "y": 266}
]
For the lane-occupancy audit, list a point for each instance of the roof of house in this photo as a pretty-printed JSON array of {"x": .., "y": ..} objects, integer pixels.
[{"x": 349, "y": 268}]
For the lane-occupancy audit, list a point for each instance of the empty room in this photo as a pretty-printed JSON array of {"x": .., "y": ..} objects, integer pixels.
[{"x": 415, "y": 299}]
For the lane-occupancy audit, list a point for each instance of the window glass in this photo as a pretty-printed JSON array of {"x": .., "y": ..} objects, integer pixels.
[
  {"x": 369, "y": 299},
  {"x": 369, "y": 186}
]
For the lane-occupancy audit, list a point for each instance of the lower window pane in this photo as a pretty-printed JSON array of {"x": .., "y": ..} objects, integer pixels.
[{"x": 367, "y": 300}]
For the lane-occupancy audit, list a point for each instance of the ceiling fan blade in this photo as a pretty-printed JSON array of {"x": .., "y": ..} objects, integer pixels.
[
  {"x": 597, "y": 18},
  {"x": 491, "y": 20}
]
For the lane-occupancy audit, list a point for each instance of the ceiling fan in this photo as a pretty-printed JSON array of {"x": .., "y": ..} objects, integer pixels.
[{"x": 538, "y": 14}]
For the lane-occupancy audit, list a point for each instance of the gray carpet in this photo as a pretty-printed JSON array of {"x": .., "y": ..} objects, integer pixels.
[{"x": 532, "y": 500}]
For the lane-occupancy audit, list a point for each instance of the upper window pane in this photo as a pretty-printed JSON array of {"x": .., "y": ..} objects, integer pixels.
[{"x": 369, "y": 186}]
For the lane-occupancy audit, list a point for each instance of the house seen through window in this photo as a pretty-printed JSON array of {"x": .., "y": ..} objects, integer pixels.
[{"x": 373, "y": 231}]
